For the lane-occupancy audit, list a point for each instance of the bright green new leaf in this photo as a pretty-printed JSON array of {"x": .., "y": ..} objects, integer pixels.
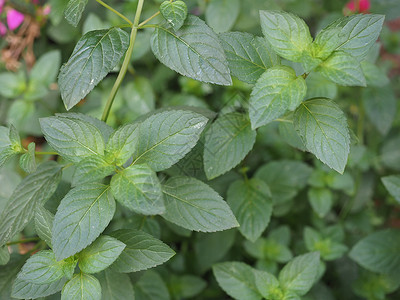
[
  {"x": 300, "y": 273},
  {"x": 6, "y": 145},
  {"x": 325, "y": 43},
  {"x": 378, "y": 252},
  {"x": 142, "y": 251},
  {"x": 82, "y": 287},
  {"x": 324, "y": 131},
  {"x": 174, "y": 12},
  {"x": 90, "y": 169},
  {"x": 248, "y": 56},
  {"x": 100, "y": 254},
  {"x": 251, "y": 203},
  {"x": 270, "y": 249},
  {"x": 138, "y": 188},
  {"x": 44, "y": 224},
  {"x": 227, "y": 142},
  {"x": 238, "y": 280},
  {"x": 194, "y": 205},
  {"x": 27, "y": 161},
  {"x": 267, "y": 285},
  {"x": 27, "y": 290},
  {"x": 203, "y": 61},
  {"x": 122, "y": 143},
  {"x": 94, "y": 56},
  {"x": 277, "y": 91},
  {"x": 82, "y": 215},
  {"x": 151, "y": 286},
  {"x": 166, "y": 137},
  {"x": 222, "y": 14},
  {"x": 34, "y": 190},
  {"x": 73, "y": 139},
  {"x": 320, "y": 200},
  {"x": 73, "y": 11},
  {"x": 392, "y": 184},
  {"x": 115, "y": 286},
  {"x": 288, "y": 35}
]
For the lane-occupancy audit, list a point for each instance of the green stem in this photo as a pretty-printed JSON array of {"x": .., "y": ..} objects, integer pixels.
[
  {"x": 149, "y": 19},
  {"x": 34, "y": 239},
  {"x": 125, "y": 64},
  {"x": 114, "y": 11},
  {"x": 45, "y": 153}
]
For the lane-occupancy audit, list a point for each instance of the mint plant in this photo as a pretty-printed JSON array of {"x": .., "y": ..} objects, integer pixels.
[{"x": 182, "y": 188}]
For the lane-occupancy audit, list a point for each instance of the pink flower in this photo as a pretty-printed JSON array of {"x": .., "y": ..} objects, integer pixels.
[
  {"x": 3, "y": 29},
  {"x": 362, "y": 6},
  {"x": 46, "y": 9},
  {"x": 14, "y": 19},
  {"x": 1, "y": 5}
]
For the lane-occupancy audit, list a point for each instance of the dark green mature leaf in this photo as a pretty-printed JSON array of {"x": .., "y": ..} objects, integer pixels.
[
  {"x": 115, "y": 286},
  {"x": 74, "y": 139},
  {"x": 174, "y": 12},
  {"x": 122, "y": 143},
  {"x": 379, "y": 252},
  {"x": 323, "y": 128},
  {"x": 34, "y": 190},
  {"x": 151, "y": 287},
  {"x": 343, "y": 69},
  {"x": 82, "y": 215},
  {"x": 28, "y": 290},
  {"x": 194, "y": 205},
  {"x": 300, "y": 273},
  {"x": 319, "y": 86},
  {"x": 166, "y": 137},
  {"x": 73, "y": 11},
  {"x": 82, "y": 287},
  {"x": 222, "y": 14},
  {"x": 90, "y": 169},
  {"x": 251, "y": 203},
  {"x": 44, "y": 224},
  {"x": 138, "y": 188},
  {"x": 288, "y": 34},
  {"x": 358, "y": 33},
  {"x": 99, "y": 255},
  {"x": 248, "y": 56},
  {"x": 142, "y": 251},
  {"x": 8, "y": 274},
  {"x": 27, "y": 161},
  {"x": 392, "y": 184},
  {"x": 277, "y": 91},
  {"x": 94, "y": 56},
  {"x": 238, "y": 280},
  {"x": 204, "y": 57},
  {"x": 227, "y": 142}
]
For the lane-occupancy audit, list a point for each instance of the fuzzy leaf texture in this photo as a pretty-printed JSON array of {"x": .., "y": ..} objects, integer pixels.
[
  {"x": 276, "y": 91},
  {"x": 204, "y": 57},
  {"x": 82, "y": 215},
  {"x": 174, "y": 12},
  {"x": 94, "y": 56},
  {"x": 227, "y": 142},
  {"x": 34, "y": 190},
  {"x": 194, "y": 205},
  {"x": 27, "y": 161},
  {"x": 323, "y": 128}
]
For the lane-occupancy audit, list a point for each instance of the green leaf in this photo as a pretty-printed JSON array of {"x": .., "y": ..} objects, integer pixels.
[
  {"x": 320, "y": 200},
  {"x": 142, "y": 251},
  {"x": 115, "y": 286},
  {"x": 374, "y": 75},
  {"x": 193, "y": 205},
  {"x": 73, "y": 11},
  {"x": 289, "y": 134},
  {"x": 390, "y": 153},
  {"x": 227, "y": 142},
  {"x": 269, "y": 249},
  {"x": 326, "y": 42},
  {"x": 374, "y": 286},
  {"x": 82, "y": 215},
  {"x": 186, "y": 286},
  {"x": 222, "y": 14},
  {"x": 392, "y": 184},
  {"x": 300, "y": 273},
  {"x": 288, "y": 35},
  {"x": 343, "y": 69},
  {"x": 151, "y": 287},
  {"x": 267, "y": 285},
  {"x": 319, "y": 86},
  {"x": 99, "y": 255},
  {"x": 82, "y": 287},
  {"x": 174, "y": 12},
  {"x": 166, "y": 137},
  {"x": 45, "y": 69},
  {"x": 251, "y": 203},
  {"x": 358, "y": 33},
  {"x": 237, "y": 279},
  {"x": 6, "y": 146},
  {"x": 90, "y": 169},
  {"x": 122, "y": 143},
  {"x": 8, "y": 274},
  {"x": 74, "y": 139},
  {"x": 323, "y": 128},
  {"x": 94, "y": 56},
  {"x": 248, "y": 56},
  {"x": 27, "y": 290},
  {"x": 27, "y": 161},
  {"x": 4, "y": 255},
  {"x": 203, "y": 61},
  {"x": 44, "y": 224},
  {"x": 12, "y": 84},
  {"x": 34, "y": 190},
  {"x": 380, "y": 106},
  {"x": 379, "y": 252},
  {"x": 42, "y": 268},
  {"x": 138, "y": 188},
  {"x": 277, "y": 91}
]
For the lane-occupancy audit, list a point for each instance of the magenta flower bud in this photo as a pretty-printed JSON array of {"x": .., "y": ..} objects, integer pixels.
[
  {"x": 1, "y": 5},
  {"x": 46, "y": 9},
  {"x": 3, "y": 29},
  {"x": 14, "y": 19}
]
